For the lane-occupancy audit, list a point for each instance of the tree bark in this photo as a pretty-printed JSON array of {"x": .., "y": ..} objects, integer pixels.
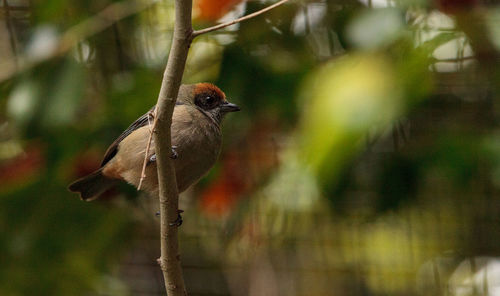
[{"x": 169, "y": 196}]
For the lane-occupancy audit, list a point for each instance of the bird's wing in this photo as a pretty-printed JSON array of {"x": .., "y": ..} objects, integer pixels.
[
  {"x": 144, "y": 120},
  {"x": 140, "y": 122}
]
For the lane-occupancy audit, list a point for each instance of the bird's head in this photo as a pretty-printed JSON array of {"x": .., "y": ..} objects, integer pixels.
[{"x": 207, "y": 98}]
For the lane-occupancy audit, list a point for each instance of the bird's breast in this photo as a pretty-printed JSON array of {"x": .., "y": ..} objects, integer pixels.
[{"x": 198, "y": 147}]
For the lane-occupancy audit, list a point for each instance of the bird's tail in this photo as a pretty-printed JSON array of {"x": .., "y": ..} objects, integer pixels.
[{"x": 91, "y": 186}]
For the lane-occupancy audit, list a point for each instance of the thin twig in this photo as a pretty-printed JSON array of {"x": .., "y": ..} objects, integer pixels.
[
  {"x": 69, "y": 39},
  {"x": 148, "y": 146},
  {"x": 243, "y": 18}
]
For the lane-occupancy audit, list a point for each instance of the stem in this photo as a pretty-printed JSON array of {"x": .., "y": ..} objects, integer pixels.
[
  {"x": 243, "y": 18},
  {"x": 169, "y": 196},
  {"x": 148, "y": 146}
]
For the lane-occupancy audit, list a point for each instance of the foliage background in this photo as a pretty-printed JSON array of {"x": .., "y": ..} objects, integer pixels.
[{"x": 365, "y": 161}]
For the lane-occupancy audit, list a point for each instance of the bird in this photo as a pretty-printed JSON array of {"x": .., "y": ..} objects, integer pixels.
[{"x": 196, "y": 144}]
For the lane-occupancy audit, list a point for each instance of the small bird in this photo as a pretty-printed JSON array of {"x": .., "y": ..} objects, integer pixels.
[{"x": 196, "y": 144}]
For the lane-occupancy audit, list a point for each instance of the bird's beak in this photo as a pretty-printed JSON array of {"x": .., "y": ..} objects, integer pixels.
[{"x": 229, "y": 107}]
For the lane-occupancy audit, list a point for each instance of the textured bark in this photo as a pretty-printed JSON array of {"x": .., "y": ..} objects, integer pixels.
[{"x": 169, "y": 197}]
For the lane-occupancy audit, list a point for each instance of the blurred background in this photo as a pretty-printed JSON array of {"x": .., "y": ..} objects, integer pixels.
[{"x": 366, "y": 160}]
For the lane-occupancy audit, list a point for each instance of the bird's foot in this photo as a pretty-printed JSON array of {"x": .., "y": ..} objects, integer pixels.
[
  {"x": 178, "y": 221},
  {"x": 152, "y": 158},
  {"x": 174, "y": 154}
]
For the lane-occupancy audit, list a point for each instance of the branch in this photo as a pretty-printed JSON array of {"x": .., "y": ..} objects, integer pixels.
[
  {"x": 244, "y": 18},
  {"x": 87, "y": 28},
  {"x": 161, "y": 132},
  {"x": 169, "y": 196}
]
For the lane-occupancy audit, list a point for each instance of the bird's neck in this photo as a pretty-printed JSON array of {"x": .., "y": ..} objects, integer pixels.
[{"x": 215, "y": 117}]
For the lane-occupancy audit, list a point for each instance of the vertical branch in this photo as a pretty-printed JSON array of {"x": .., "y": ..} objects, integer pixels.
[{"x": 169, "y": 196}]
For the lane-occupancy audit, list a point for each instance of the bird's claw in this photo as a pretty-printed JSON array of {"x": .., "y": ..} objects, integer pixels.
[
  {"x": 178, "y": 221},
  {"x": 174, "y": 154}
]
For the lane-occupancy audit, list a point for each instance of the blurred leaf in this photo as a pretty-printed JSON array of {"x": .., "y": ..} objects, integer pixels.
[
  {"x": 492, "y": 19},
  {"x": 43, "y": 43},
  {"x": 344, "y": 99},
  {"x": 52, "y": 100},
  {"x": 377, "y": 27},
  {"x": 23, "y": 101},
  {"x": 293, "y": 188}
]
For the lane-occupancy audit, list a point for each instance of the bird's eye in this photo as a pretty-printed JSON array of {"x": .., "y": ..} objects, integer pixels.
[{"x": 209, "y": 101}]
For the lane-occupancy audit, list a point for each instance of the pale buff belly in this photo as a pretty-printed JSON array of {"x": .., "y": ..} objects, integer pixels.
[{"x": 196, "y": 155}]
